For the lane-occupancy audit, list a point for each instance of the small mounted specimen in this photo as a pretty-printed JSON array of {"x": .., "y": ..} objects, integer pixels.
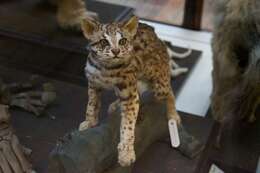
[{"x": 129, "y": 58}]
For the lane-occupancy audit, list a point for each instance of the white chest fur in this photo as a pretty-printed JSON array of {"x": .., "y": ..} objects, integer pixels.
[{"x": 97, "y": 77}]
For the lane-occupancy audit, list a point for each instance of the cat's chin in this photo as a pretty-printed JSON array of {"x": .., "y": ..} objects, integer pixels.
[
  {"x": 109, "y": 61},
  {"x": 114, "y": 62},
  {"x": 114, "y": 59}
]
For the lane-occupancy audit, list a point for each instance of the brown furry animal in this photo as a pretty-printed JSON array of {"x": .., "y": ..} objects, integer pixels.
[
  {"x": 236, "y": 55},
  {"x": 71, "y": 12}
]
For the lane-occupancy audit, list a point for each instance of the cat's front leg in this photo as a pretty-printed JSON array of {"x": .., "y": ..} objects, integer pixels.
[
  {"x": 92, "y": 110},
  {"x": 129, "y": 102}
]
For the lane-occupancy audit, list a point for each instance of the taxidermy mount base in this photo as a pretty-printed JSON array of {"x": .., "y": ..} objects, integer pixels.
[{"x": 95, "y": 150}]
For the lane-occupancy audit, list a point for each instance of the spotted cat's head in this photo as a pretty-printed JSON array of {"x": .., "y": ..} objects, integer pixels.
[{"x": 110, "y": 43}]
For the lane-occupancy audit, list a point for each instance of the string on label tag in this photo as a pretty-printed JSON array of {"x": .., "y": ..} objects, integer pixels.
[{"x": 174, "y": 133}]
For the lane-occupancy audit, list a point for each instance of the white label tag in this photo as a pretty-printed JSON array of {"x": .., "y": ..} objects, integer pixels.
[
  {"x": 174, "y": 134},
  {"x": 215, "y": 169}
]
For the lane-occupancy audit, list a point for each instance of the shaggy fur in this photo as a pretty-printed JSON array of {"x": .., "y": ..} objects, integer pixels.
[
  {"x": 236, "y": 55},
  {"x": 71, "y": 12}
]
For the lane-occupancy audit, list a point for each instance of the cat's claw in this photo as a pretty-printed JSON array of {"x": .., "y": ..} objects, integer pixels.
[{"x": 126, "y": 155}]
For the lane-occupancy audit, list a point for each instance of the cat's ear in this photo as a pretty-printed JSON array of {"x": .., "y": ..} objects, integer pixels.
[
  {"x": 131, "y": 25},
  {"x": 89, "y": 27}
]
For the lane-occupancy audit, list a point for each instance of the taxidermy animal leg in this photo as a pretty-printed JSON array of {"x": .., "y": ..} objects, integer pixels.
[
  {"x": 23, "y": 95},
  {"x": 93, "y": 109},
  {"x": 162, "y": 90},
  {"x": 171, "y": 109},
  {"x": 129, "y": 104},
  {"x": 12, "y": 156},
  {"x": 71, "y": 12}
]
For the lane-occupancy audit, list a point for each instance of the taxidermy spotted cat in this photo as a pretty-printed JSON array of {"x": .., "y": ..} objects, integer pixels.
[{"x": 127, "y": 57}]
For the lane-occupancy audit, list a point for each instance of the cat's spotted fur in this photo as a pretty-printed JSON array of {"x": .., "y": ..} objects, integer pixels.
[{"x": 123, "y": 56}]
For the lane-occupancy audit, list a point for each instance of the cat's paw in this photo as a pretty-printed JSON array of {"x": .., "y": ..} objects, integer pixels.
[
  {"x": 86, "y": 125},
  {"x": 126, "y": 154},
  {"x": 177, "y": 118}
]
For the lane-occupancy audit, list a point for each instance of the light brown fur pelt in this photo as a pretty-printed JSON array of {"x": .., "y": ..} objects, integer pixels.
[{"x": 71, "y": 12}]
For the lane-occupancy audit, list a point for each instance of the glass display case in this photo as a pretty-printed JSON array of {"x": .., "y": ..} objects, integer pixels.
[{"x": 34, "y": 45}]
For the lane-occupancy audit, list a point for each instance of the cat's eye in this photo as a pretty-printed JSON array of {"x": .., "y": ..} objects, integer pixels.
[
  {"x": 104, "y": 42},
  {"x": 122, "y": 41}
]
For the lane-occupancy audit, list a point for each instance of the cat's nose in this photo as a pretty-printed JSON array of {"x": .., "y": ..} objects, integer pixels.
[{"x": 115, "y": 51}]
